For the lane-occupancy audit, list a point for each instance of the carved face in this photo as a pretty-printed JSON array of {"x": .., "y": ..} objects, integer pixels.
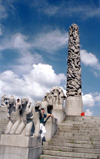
[{"x": 28, "y": 108}]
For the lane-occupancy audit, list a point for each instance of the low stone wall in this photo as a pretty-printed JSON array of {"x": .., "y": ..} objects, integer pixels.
[{"x": 3, "y": 113}]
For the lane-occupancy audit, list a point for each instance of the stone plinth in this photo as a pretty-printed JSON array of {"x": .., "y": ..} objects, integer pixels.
[
  {"x": 3, "y": 112},
  {"x": 20, "y": 147},
  {"x": 74, "y": 106},
  {"x": 59, "y": 114},
  {"x": 51, "y": 128}
]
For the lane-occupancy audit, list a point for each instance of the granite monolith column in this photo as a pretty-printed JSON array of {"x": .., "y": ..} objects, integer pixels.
[{"x": 74, "y": 104}]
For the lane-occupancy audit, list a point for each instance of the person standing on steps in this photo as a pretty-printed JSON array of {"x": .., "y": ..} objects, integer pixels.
[{"x": 43, "y": 122}]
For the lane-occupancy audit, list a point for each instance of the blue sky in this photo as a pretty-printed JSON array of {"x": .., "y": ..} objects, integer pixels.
[{"x": 33, "y": 47}]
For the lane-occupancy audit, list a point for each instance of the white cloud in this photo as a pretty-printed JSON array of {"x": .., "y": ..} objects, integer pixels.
[
  {"x": 97, "y": 98},
  {"x": 89, "y": 59},
  {"x": 45, "y": 75},
  {"x": 51, "y": 41},
  {"x": 51, "y": 10},
  {"x": 88, "y": 112},
  {"x": 88, "y": 100},
  {"x": 34, "y": 84},
  {"x": 3, "y": 13},
  {"x": 83, "y": 10},
  {"x": 17, "y": 41},
  {"x": 24, "y": 63},
  {"x": 0, "y": 31}
]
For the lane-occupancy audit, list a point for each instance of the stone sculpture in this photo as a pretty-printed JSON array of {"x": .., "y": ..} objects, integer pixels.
[
  {"x": 73, "y": 63},
  {"x": 54, "y": 99},
  {"x": 21, "y": 138},
  {"x": 11, "y": 108},
  {"x": 58, "y": 96},
  {"x": 36, "y": 119},
  {"x": 74, "y": 98},
  {"x": 18, "y": 109},
  {"x": 4, "y": 100},
  {"x": 21, "y": 118},
  {"x": 53, "y": 103},
  {"x": 29, "y": 119}
]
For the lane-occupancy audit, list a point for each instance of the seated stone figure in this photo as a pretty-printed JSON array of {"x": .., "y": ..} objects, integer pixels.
[
  {"x": 18, "y": 109},
  {"x": 29, "y": 119},
  {"x": 22, "y": 115},
  {"x": 36, "y": 119},
  {"x": 11, "y": 108}
]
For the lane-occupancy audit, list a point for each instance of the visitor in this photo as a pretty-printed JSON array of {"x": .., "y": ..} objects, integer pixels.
[
  {"x": 18, "y": 100},
  {"x": 42, "y": 124}
]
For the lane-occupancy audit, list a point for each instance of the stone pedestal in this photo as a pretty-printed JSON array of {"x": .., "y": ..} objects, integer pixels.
[
  {"x": 51, "y": 127},
  {"x": 74, "y": 106},
  {"x": 20, "y": 147},
  {"x": 59, "y": 114}
]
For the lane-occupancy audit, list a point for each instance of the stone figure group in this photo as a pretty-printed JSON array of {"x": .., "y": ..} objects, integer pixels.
[
  {"x": 24, "y": 119},
  {"x": 21, "y": 117},
  {"x": 55, "y": 98}
]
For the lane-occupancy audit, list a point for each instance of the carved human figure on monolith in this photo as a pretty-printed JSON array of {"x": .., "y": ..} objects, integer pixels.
[{"x": 74, "y": 98}]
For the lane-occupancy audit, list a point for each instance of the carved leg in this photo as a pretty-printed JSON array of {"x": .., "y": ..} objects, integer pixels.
[
  {"x": 8, "y": 128},
  {"x": 15, "y": 126},
  {"x": 20, "y": 128},
  {"x": 28, "y": 128}
]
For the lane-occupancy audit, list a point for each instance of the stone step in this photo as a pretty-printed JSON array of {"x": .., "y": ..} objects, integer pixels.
[
  {"x": 82, "y": 118},
  {"x": 78, "y": 130},
  {"x": 81, "y": 121},
  {"x": 88, "y": 138},
  {"x": 58, "y": 157},
  {"x": 80, "y": 124},
  {"x": 92, "y": 145},
  {"x": 69, "y": 154},
  {"x": 76, "y": 137},
  {"x": 76, "y": 141},
  {"x": 71, "y": 149},
  {"x": 91, "y": 134}
]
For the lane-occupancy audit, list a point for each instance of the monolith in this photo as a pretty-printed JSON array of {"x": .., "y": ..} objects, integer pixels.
[{"x": 74, "y": 104}]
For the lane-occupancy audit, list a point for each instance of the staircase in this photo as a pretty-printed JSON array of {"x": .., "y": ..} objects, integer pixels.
[{"x": 77, "y": 138}]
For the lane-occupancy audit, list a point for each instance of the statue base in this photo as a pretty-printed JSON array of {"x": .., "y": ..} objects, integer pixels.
[
  {"x": 74, "y": 106},
  {"x": 20, "y": 147}
]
